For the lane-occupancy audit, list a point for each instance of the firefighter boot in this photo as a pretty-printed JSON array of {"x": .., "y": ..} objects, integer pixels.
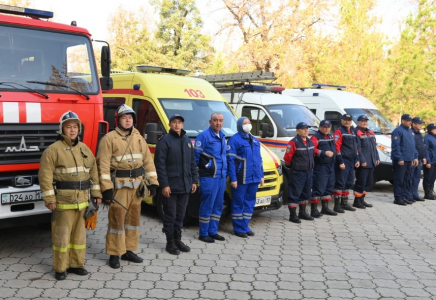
[
  {"x": 178, "y": 240},
  {"x": 293, "y": 215},
  {"x": 302, "y": 214},
  {"x": 337, "y": 208},
  {"x": 314, "y": 212},
  {"x": 358, "y": 203},
  {"x": 362, "y": 200},
  {"x": 171, "y": 247},
  {"x": 326, "y": 210},
  {"x": 345, "y": 205}
]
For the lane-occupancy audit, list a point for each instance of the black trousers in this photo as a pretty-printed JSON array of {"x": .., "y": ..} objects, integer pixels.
[
  {"x": 429, "y": 177},
  {"x": 174, "y": 208}
]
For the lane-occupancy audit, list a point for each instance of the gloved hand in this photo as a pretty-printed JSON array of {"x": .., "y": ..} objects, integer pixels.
[
  {"x": 108, "y": 195},
  {"x": 152, "y": 190},
  {"x": 91, "y": 222}
]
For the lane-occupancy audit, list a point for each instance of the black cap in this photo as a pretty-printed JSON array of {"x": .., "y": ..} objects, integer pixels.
[
  {"x": 302, "y": 125},
  {"x": 346, "y": 117},
  {"x": 325, "y": 123},
  {"x": 430, "y": 126},
  {"x": 417, "y": 120},
  {"x": 177, "y": 116},
  {"x": 406, "y": 117},
  {"x": 362, "y": 118}
]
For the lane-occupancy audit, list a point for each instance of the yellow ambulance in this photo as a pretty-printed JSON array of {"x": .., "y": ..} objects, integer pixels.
[{"x": 156, "y": 93}]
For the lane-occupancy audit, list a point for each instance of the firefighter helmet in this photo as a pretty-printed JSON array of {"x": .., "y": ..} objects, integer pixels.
[
  {"x": 122, "y": 110},
  {"x": 69, "y": 116}
]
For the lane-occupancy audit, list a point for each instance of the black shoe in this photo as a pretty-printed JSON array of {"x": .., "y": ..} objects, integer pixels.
[
  {"x": 293, "y": 215},
  {"x": 345, "y": 205},
  {"x": 407, "y": 201},
  {"x": 302, "y": 214},
  {"x": 60, "y": 275},
  {"x": 400, "y": 202},
  {"x": 250, "y": 233},
  {"x": 114, "y": 261},
  {"x": 314, "y": 212},
  {"x": 217, "y": 237},
  {"x": 337, "y": 208},
  {"x": 362, "y": 200},
  {"x": 326, "y": 210},
  {"x": 418, "y": 199},
  {"x": 241, "y": 234},
  {"x": 178, "y": 241},
  {"x": 357, "y": 203},
  {"x": 429, "y": 195},
  {"x": 78, "y": 271},
  {"x": 130, "y": 256},
  {"x": 206, "y": 239},
  {"x": 171, "y": 246}
]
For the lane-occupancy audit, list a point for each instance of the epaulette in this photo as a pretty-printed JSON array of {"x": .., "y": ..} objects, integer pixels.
[{"x": 161, "y": 137}]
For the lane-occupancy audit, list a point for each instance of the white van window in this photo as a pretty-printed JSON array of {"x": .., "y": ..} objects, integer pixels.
[
  {"x": 377, "y": 122},
  {"x": 257, "y": 116},
  {"x": 334, "y": 117},
  {"x": 288, "y": 116}
]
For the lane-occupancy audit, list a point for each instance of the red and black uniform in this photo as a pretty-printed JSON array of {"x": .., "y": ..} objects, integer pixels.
[
  {"x": 324, "y": 171},
  {"x": 346, "y": 153},
  {"x": 300, "y": 158},
  {"x": 367, "y": 154}
]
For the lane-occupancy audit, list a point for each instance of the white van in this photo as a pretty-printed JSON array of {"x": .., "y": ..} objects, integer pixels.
[{"x": 331, "y": 104}]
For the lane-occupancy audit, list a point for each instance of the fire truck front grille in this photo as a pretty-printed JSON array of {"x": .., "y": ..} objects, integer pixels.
[{"x": 24, "y": 142}]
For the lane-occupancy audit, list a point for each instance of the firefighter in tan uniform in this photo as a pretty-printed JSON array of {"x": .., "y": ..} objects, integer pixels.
[
  {"x": 123, "y": 156},
  {"x": 67, "y": 173}
]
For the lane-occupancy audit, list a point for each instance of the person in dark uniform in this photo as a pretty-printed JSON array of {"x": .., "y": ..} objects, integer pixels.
[
  {"x": 300, "y": 158},
  {"x": 369, "y": 159},
  {"x": 347, "y": 159},
  {"x": 430, "y": 167},
  {"x": 324, "y": 171},
  {"x": 422, "y": 161},
  {"x": 404, "y": 156},
  {"x": 177, "y": 174}
]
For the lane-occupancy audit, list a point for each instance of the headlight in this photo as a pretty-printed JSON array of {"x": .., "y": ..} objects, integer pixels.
[
  {"x": 385, "y": 149},
  {"x": 279, "y": 169}
]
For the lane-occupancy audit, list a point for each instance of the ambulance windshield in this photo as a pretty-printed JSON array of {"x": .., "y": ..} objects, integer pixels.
[
  {"x": 46, "y": 61},
  {"x": 288, "y": 116},
  {"x": 197, "y": 114},
  {"x": 377, "y": 122}
]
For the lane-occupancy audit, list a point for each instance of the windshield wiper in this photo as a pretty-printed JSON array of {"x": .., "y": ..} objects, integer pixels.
[
  {"x": 61, "y": 85},
  {"x": 26, "y": 87}
]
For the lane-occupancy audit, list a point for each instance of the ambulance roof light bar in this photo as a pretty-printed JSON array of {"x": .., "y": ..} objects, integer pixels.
[
  {"x": 240, "y": 77},
  {"x": 321, "y": 85},
  {"x": 153, "y": 69},
  {"x": 269, "y": 88},
  {"x": 29, "y": 12}
]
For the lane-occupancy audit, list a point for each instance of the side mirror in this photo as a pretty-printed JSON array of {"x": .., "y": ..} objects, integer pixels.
[
  {"x": 106, "y": 83},
  {"x": 105, "y": 61},
  {"x": 265, "y": 130},
  {"x": 151, "y": 132}
]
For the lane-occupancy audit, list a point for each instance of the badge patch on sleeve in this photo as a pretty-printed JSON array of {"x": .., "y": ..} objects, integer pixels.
[
  {"x": 336, "y": 137},
  {"x": 288, "y": 148},
  {"x": 228, "y": 147},
  {"x": 396, "y": 137},
  {"x": 198, "y": 143}
]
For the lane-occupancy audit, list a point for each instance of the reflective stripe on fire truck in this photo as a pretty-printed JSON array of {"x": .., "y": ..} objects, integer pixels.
[{"x": 11, "y": 112}]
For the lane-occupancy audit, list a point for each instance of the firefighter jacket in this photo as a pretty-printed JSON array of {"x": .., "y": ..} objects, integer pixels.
[
  {"x": 300, "y": 154},
  {"x": 403, "y": 144},
  {"x": 174, "y": 159},
  {"x": 367, "y": 147},
  {"x": 210, "y": 154},
  {"x": 346, "y": 145},
  {"x": 118, "y": 151},
  {"x": 430, "y": 148},
  {"x": 324, "y": 143},
  {"x": 62, "y": 162},
  {"x": 244, "y": 162},
  {"x": 419, "y": 144}
]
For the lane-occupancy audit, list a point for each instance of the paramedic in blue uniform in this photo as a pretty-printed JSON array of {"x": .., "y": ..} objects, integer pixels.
[
  {"x": 347, "y": 158},
  {"x": 404, "y": 156},
  {"x": 178, "y": 178},
  {"x": 422, "y": 161},
  {"x": 245, "y": 170},
  {"x": 300, "y": 158},
  {"x": 430, "y": 167},
  {"x": 210, "y": 156},
  {"x": 324, "y": 171},
  {"x": 369, "y": 159}
]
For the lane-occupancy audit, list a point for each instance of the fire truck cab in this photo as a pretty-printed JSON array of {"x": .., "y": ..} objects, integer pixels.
[{"x": 46, "y": 69}]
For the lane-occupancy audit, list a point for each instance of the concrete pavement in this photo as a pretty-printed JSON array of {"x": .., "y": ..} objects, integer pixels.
[{"x": 384, "y": 252}]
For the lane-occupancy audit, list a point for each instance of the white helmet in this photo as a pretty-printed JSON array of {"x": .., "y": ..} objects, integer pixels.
[
  {"x": 69, "y": 116},
  {"x": 123, "y": 110}
]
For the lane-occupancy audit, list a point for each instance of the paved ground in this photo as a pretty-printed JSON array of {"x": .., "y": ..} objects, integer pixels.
[{"x": 386, "y": 252}]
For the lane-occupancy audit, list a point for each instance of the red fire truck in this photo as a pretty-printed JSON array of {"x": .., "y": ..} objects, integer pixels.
[{"x": 46, "y": 69}]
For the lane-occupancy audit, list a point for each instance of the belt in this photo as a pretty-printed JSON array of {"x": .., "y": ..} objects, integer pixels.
[
  {"x": 73, "y": 185},
  {"x": 130, "y": 173}
]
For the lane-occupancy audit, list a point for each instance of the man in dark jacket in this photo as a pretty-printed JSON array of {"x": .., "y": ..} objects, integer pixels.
[
  {"x": 369, "y": 159},
  {"x": 422, "y": 161},
  {"x": 177, "y": 175},
  {"x": 404, "y": 156}
]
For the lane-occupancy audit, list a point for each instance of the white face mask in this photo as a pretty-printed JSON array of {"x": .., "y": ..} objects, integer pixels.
[{"x": 246, "y": 128}]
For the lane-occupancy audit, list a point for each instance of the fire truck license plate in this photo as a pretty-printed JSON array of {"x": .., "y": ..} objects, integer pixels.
[
  {"x": 261, "y": 201},
  {"x": 12, "y": 198}
]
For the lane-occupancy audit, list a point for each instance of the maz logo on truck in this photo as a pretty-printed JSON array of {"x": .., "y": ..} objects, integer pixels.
[{"x": 23, "y": 147}]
